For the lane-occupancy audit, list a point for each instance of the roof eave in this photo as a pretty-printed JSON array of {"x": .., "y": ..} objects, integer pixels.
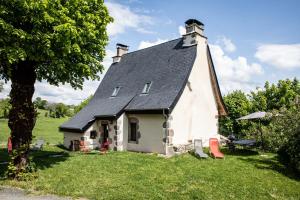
[{"x": 218, "y": 95}]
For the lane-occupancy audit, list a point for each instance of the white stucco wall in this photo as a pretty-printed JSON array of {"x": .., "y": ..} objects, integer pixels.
[
  {"x": 195, "y": 114},
  {"x": 151, "y": 131},
  {"x": 93, "y": 143},
  {"x": 68, "y": 136}
]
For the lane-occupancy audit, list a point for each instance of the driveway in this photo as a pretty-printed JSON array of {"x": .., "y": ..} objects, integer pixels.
[{"x": 7, "y": 193}]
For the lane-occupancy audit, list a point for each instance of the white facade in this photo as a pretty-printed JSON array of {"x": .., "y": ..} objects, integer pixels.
[{"x": 195, "y": 115}]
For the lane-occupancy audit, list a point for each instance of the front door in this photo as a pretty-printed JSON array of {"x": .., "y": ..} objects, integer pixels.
[{"x": 105, "y": 133}]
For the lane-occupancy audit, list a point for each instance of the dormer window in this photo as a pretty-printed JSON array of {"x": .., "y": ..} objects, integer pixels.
[
  {"x": 146, "y": 88},
  {"x": 115, "y": 92}
]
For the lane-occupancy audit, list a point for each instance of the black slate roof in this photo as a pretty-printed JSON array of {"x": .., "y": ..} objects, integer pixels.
[{"x": 167, "y": 66}]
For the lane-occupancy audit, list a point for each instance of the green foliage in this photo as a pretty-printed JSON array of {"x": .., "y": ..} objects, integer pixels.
[
  {"x": 59, "y": 41},
  {"x": 237, "y": 105},
  {"x": 25, "y": 173},
  {"x": 283, "y": 135},
  {"x": 64, "y": 40},
  {"x": 82, "y": 104},
  {"x": 271, "y": 97},
  {"x": 40, "y": 103},
  {"x": 276, "y": 96},
  {"x": 59, "y": 110},
  {"x": 4, "y": 107}
]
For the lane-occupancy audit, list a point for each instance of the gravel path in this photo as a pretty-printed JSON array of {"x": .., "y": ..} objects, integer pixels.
[{"x": 7, "y": 193}]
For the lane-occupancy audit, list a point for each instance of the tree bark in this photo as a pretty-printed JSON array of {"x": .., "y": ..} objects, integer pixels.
[{"x": 21, "y": 115}]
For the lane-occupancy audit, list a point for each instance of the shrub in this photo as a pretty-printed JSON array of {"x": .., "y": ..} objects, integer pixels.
[
  {"x": 4, "y": 107},
  {"x": 283, "y": 136}
]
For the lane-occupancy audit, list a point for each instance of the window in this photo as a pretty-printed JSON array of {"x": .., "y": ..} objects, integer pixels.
[
  {"x": 115, "y": 92},
  {"x": 133, "y": 131},
  {"x": 93, "y": 134},
  {"x": 147, "y": 88}
]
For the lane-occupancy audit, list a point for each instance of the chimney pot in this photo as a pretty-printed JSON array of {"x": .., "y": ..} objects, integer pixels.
[
  {"x": 194, "y": 30},
  {"x": 121, "y": 50}
]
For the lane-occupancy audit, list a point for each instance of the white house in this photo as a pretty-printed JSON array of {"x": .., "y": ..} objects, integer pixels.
[{"x": 154, "y": 99}]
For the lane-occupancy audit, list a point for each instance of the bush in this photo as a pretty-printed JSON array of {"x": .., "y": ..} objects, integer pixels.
[
  {"x": 59, "y": 110},
  {"x": 4, "y": 107},
  {"x": 283, "y": 136}
]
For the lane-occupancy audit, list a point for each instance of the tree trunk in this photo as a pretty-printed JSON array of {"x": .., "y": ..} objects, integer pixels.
[{"x": 21, "y": 115}]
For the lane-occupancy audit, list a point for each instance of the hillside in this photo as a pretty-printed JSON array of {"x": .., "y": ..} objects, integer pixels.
[{"x": 46, "y": 128}]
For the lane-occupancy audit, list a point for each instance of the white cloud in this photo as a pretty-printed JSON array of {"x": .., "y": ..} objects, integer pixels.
[
  {"x": 181, "y": 30},
  {"x": 65, "y": 93},
  {"x": 226, "y": 43},
  {"x": 145, "y": 44},
  {"x": 234, "y": 73},
  {"x": 284, "y": 56},
  {"x": 125, "y": 18}
]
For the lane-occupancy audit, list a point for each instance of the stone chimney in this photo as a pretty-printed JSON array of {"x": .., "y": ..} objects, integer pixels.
[
  {"x": 194, "y": 30},
  {"x": 121, "y": 50}
]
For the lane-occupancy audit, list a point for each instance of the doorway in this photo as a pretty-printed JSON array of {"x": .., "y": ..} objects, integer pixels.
[{"x": 105, "y": 132}]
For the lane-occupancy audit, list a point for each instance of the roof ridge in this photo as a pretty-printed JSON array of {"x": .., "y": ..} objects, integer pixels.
[{"x": 152, "y": 46}]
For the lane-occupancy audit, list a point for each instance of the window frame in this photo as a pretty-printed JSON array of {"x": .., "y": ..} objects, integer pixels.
[
  {"x": 94, "y": 134},
  {"x": 131, "y": 138},
  {"x": 147, "y": 87},
  {"x": 115, "y": 91}
]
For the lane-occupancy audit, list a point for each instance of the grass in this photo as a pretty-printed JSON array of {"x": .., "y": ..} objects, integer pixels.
[
  {"x": 45, "y": 127},
  {"x": 127, "y": 175}
]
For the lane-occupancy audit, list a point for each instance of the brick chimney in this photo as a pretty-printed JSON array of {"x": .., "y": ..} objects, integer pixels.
[
  {"x": 121, "y": 50},
  {"x": 194, "y": 30}
]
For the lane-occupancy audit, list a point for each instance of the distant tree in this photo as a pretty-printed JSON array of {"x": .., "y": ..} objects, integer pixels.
[
  {"x": 82, "y": 104},
  {"x": 59, "y": 110},
  {"x": 40, "y": 103},
  {"x": 4, "y": 107},
  {"x": 58, "y": 41}
]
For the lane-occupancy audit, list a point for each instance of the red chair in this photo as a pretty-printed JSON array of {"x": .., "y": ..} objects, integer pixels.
[
  {"x": 9, "y": 145},
  {"x": 104, "y": 147},
  {"x": 214, "y": 148},
  {"x": 84, "y": 146}
]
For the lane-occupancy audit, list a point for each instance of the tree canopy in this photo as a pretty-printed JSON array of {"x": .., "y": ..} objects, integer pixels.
[
  {"x": 64, "y": 39},
  {"x": 272, "y": 97}
]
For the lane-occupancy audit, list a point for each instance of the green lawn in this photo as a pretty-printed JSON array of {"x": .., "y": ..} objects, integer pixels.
[
  {"x": 46, "y": 128},
  {"x": 126, "y": 175}
]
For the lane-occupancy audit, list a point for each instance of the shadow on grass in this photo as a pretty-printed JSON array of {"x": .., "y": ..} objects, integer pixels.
[
  {"x": 267, "y": 163},
  {"x": 42, "y": 159},
  {"x": 239, "y": 152},
  {"x": 192, "y": 153}
]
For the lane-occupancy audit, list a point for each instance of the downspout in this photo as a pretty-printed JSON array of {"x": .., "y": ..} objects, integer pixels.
[{"x": 166, "y": 122}]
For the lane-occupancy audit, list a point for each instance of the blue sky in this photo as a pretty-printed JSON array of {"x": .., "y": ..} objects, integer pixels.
[
  {"x": 247, "y": 24},
  {"x": 251, "y": 41}
]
